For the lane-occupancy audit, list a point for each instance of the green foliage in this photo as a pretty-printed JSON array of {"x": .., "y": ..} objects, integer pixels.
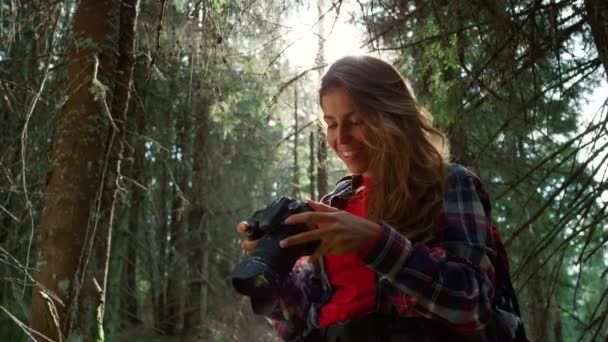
[{"x": 209, "y": 140}]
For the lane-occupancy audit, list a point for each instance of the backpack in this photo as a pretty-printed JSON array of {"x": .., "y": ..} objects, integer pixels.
[{"x": 506, "y": 325}]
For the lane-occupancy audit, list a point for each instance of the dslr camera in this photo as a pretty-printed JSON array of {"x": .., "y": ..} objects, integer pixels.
[{"x": 259, "y": 275}]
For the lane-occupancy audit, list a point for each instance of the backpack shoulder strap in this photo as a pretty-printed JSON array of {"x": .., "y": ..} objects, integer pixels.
[{"x": 505, "y": 298}]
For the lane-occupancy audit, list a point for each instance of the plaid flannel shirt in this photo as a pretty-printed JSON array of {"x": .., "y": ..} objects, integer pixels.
[{"x": 449, "y": 280}]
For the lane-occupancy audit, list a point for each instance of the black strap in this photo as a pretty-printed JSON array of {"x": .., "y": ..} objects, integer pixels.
[
  {"x": 505, "y": 286},
  {"x": 505, "y": 291}
]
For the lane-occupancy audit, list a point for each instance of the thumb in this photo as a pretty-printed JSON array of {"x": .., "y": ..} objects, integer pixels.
[{"x": 322, "y": 207}]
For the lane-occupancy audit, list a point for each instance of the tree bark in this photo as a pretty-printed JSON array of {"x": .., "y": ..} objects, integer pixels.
[
  {"x": 159, "y": 263},
  {"x": 536, "y": 302},
  {"x": 123, "y": 77},
  {"x": 597, "y": 18},
  {"x": 128, "y": 315},
  {"x": 67, "y": 223},
  {"x": 296, "y": 127},
  {"x": 322, "y": 141},
  {"x": 178, "y": 250},
  {"x": 164, "y": 237},
  {"x": 129, "y": 308},
  {"x": 321, "y": 163},
  {"x": 198, "y": 251},
  {"x": 311, "y": 167},
  {"x": 556, "y": 318}
]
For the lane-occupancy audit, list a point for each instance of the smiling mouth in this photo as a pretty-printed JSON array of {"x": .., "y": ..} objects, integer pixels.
[{"x": 349, "y": 154}]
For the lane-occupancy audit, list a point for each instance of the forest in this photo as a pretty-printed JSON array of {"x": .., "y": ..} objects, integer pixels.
[{"x": 136, "y": 134}]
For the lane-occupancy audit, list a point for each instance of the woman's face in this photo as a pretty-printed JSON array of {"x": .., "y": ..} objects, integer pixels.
[{"x": 346, "y": 132}]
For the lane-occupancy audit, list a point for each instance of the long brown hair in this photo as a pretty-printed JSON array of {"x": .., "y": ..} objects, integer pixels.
[{"x": 409, "y": 156}]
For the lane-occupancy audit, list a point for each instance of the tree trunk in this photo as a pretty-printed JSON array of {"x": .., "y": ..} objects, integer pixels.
[
  {"x": 557, "y": 319},
  {"x": 178, "y": 250},
  {"x": 160, "y": 258},
  {"x": 128, "y": 315},
  {"x": 536, "y": 301},
  {"x": 322, "y": 141},
  {"x": 321, "y": 163},
  {"x": 534, "y": 294},
  {"x": 597, "y": 18},
  {"x": 311, "y": 167},
  {"x": 67, "y": 223},
  {"x": 123, "y": 78},
  {"x": 175, "y": 257},
  {"x": 296, "y": 127},
  {"x": 458, "y": 134},
  {"x": 165, "y": 238},
  {"x": 198, "y": 251},
  {"x": 128, "y": 299}
]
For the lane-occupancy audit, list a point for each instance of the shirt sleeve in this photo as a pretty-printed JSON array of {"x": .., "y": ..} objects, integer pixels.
[{"x": 450, "y": 281}]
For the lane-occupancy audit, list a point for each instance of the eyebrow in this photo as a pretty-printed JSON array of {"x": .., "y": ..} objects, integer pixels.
[{"x": 333, "y": 117}]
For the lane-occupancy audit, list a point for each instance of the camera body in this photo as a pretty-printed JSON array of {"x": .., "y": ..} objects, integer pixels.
[
  {"x": 270, "y": 219},
  {"x": 259, "y": 275}
]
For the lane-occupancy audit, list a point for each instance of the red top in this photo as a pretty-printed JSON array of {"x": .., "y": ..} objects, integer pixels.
[{"x": 354, "y": 284}]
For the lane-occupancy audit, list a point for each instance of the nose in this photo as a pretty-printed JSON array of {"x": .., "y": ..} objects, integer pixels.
[{"x": 344, "y": 135}]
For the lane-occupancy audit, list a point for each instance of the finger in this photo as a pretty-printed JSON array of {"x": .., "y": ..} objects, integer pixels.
[
  {"x": 248, "y": 246},
  {"x": 323, "y": 249},
  {"x": 312, "y": 217},
  {"x": 242, "y": 227},
  {"x": 311, "y": 235},
  {"x": 322, "y": 207},
  {"x": 316, "y": 254}
]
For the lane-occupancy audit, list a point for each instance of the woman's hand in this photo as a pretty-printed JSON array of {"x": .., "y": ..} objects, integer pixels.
[
  {"x": 339, "y": 231},
  {"x": 248, "y": 245}
]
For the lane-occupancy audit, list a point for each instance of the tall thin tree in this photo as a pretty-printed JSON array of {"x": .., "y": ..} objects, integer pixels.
[
  {"x": 321, "y": 141},
  {"x": 311, "y": 165},
  {"x": 296, "y": 128},
  {"x": 123, "y": 78},
  {"x": 67, "y": 226}
]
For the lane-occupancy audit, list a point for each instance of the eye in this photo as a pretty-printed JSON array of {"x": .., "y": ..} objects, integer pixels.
[{"x": 331, "y": 125}]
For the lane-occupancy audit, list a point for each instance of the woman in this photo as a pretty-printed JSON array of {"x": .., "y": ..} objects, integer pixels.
[{"x": 405, "y": 241}]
